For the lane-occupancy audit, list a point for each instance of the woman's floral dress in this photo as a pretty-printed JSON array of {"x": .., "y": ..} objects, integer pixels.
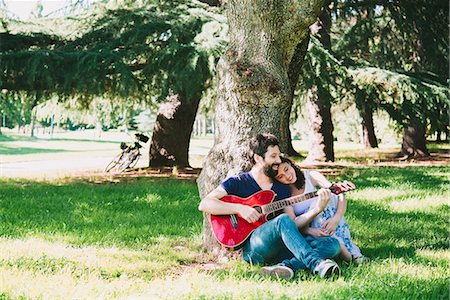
[{"x": 342, "y": 232}]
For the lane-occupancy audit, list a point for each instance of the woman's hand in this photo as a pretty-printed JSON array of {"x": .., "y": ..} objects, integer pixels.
[
  {"x": 316, "y": 232},
  {"x": 322, "y": 201},
  {"x": 341, "y": 187},
  {"x": 329, "y": 226}
]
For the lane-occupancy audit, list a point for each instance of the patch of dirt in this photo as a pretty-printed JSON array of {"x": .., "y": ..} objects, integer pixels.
[
  {"x": 386, "y": 158},
  {"x": 152, "y": 172}
]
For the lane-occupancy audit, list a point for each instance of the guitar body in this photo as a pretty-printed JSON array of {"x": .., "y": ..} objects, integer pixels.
[{"x": 231, "y": 230}]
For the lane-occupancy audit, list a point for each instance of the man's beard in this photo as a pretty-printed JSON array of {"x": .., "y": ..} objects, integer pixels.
[{"x": 269, "y": 170}]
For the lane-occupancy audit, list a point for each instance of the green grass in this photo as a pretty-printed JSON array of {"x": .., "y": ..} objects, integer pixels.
[
  {"x": 14, "y": 138},
  {"x": 5, "y": 150},
  {"x": 65, "y": 146},
  {"x": 75, "y": 239},
  {"x": 125, "y": 215}
]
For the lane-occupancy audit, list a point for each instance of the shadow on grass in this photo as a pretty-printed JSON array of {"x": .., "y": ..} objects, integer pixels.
[
  {"x": 387, "y": 234},
  {"x": 390, "y": 177},
  {"x": 7, "y": 138},
  {"x": 132, "y": 214},
  {"x": 88, "y": 141},
  {"x": 137, "y": 213},
  {"x": 26, "y": 150}
]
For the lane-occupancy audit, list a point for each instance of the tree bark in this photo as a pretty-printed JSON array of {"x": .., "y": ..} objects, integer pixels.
[
  {"x": 438, "y": 136},
  {"x": 294, "y": 71},
  {"x": 172, "y": 132},
  {"x": 319, "y": 103},
  {"x": 212, "y": 2},
  {"x": 254, "y": 91},
  {"x": 369, "y": 137},
  {"x": 414, "y": 141},
  {"x": 321, "y": 136},
  {"x": 33, "y": 124}
]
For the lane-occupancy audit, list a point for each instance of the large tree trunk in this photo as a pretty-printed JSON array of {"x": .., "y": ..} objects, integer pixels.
[
  {"x": 438, "y": 136},
  {"x": 369, "y": 138},
  {"x": 319, "y": 103},
  {"x": 211, "y": 2},
  {"x": 254, "y": 91},
  {"x": 294, "y": 71},
  {"x": 414, "y": 141},
  {"x": 33, "y": 124},
  {"x": 321, "y": 126},
  {"x": 365, "y": 109},
  {"x": 172, "y": 132}
]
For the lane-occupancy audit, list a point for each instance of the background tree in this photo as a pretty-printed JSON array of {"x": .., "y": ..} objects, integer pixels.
[
  {"x": 409, "y": 100},
  {"x": 138, "y": 54},
  {"x": 319, "y": 98},
  {"x": 400, "y": 36},
  {"x": 366, "y": 108},
  {"x": 188, "y": 78}
]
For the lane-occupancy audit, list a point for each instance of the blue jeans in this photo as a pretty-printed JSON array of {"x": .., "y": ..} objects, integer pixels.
[{"x": 279, "y": 240}]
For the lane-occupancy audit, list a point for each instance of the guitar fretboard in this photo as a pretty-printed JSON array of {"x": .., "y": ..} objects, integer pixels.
[{"x": 278, "y": 205}]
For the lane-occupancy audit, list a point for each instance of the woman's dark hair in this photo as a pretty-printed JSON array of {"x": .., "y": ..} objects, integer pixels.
[{"x": 300, "y": 177}]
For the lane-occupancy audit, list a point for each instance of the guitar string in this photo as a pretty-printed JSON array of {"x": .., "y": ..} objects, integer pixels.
[{"x": 277, "y": 205}]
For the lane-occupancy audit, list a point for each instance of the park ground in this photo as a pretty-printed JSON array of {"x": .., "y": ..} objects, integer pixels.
[
  {"x": 86, "y": 153},
  {"x": 69, "y": 231}
]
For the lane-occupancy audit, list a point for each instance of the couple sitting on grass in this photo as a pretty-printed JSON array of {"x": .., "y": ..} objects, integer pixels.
[{"x": 306, "y": 235}]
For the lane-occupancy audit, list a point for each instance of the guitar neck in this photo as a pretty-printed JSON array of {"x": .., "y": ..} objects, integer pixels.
[{"x": 278, "y": 205}]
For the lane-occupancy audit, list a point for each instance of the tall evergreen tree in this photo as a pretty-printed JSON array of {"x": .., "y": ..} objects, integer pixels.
[
  {"x": 319, "y": 99},
  {"x": 131, "y": 53},
  {"x": 401, "y": 36}
]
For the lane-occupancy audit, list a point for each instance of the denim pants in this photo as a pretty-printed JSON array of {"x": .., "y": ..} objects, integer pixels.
[{"x": 279, "y": 240}]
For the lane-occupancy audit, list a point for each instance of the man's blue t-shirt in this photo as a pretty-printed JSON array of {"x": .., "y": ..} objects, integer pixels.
[{"x": 244, "y": 185}]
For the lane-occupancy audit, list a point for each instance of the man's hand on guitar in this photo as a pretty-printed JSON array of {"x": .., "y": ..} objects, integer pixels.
[{"x": 248, "y": 213}]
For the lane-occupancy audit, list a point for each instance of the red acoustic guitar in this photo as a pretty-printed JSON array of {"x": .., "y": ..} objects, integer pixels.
[{"x": 232, "y": 231}]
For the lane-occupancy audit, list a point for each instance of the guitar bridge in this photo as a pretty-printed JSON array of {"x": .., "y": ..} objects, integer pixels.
[{"x": 234, "y": 222}]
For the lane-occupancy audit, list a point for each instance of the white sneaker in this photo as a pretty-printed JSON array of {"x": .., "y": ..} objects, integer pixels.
[
  {"x": 279, "y": 271},
  {"x": 327, "y": 268}
]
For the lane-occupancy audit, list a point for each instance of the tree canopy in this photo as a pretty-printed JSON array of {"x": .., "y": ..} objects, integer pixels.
[{"x": 137, "y": 53}]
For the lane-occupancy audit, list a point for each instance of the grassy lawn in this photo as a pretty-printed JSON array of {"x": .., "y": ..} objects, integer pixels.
[
  {"x": 142, "y": 239},
  {"x": 15, "y": 147}
]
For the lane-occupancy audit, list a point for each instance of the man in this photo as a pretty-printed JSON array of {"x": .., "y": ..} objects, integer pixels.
[{"x": 277, "y": 241}]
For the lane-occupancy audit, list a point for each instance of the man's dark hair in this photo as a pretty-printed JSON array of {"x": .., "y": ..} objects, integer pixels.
[{"x": 260, "y": 144}]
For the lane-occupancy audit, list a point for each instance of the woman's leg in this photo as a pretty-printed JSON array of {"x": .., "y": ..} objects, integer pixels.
[
  {"x": 343, "y": 234},
  {"x": 345, "y": 254},
  {"x": 342, "y": 230}
]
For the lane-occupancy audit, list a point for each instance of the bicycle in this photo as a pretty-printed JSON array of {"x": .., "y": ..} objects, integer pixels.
[{"x": 129, "y": 156}]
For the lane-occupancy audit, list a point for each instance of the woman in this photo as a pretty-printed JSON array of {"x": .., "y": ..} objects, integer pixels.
[{"x": 331, "y": 221}]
